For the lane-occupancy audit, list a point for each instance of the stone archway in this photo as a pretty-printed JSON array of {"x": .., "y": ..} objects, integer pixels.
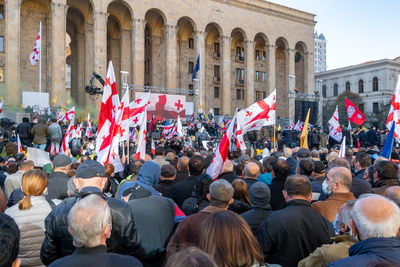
[
  {"x": 282, "y": 77},
  {"x": 300, "y": 65},
  {"x": 186, "y": 51},
  {"x": 261, "y": 58},
  {"x": 238, "y": 75}
]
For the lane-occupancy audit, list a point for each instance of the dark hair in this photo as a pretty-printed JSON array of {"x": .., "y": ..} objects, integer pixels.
[
  {"x": 267, "y": 164},
  {"x": 25, "y": 119},
  {"x": 306, "y": 166},
  {"x": 189, "y": 152},
  {"x": 159, "y": 151},
  {"x": 190, "y": 257},
  {"x": 364, "y": 159},
  {"x": 136, "y": 165},
  {"x": 239, "y": 169},
  {"x": 386, "y": 170},
  {"x": 196, "y": 166},
  {"x": 9, "y": 236},
  {"x": 202, "y": 187},
  {"x": 339, "y": 162},
  {"x": 298, "y": 185},
  {"x": 12, "y": 168},
  {"x": 281, "y": 169}
]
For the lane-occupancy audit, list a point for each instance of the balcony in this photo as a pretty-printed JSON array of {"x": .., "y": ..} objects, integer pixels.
[
  {"x": 217, "y": 80},
  {"x": 239, "y": 59},
  {"x": 239, "y": 82},
  {"x": 217, "y": 55}
]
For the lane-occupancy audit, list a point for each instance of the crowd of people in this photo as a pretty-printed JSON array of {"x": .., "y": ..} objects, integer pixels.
[{"x": 271, "y": 206}]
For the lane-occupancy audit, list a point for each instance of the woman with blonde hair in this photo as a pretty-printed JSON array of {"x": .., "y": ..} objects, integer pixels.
[
  {"x": 241, "y": 200},
  {"x": 229, "y": 240},
  {"x": 29, "y": 214}
]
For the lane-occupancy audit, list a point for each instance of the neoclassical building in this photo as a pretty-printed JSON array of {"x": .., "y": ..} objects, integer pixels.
[{"x": 247, "y": 48}]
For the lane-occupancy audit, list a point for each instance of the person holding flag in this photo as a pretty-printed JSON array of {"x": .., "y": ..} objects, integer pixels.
[{"x": 335, "y": 132}]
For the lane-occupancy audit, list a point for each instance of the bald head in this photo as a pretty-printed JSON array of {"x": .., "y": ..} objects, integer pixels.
[
  {"x": 251, "y": 170},
  {"x": 393, "y": 193},
  {"x": 342, "y": 176},
  {"x": 375, "y": 216},
  {"x": 228, "y": 166},
  {"x": 183, "y": 164}
]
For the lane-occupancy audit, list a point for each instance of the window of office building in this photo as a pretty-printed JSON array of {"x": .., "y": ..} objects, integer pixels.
[
  {"x": 216, "y": 48},
  {"x": 216, "y": 71},
  {"x": 360, "y": 86},
  {"x": 348, "y": 86},
  {"x": 216, "y": 112},
  {"x": 216, "y": 92},
  {"x": 335, "y": 89},
  {"x": 239, "y": 94},
  {"x": 375, "y": 84},
  {"x": 375, "y": 107},
  {"x": 191, "y": 43},
  {"x": 264, "y": 76},
  {"x": 324, "y": 90},
  {"x": 191, "y": 67}
]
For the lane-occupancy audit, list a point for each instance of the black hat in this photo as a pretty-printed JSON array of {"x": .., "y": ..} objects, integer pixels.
[
  {"x": 90, "y": 169},
  {"x": 303, "y": 153},
  {"x": 61, "y": 160},
  {"x": 137, "y": 191}
]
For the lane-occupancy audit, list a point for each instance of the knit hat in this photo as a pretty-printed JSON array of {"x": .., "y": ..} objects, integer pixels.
[
  {"x": 303, "y": 153},
  {"x": 89, "y": 169},
  {"x": 61, "y": 160},
  {"x": 260, "y": 195}
]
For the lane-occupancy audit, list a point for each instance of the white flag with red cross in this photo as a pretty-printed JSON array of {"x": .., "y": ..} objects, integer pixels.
[
  {"x": 68, "y": 136},
  {"x": 137, "y": 108},
  {"x": 239, "y": 138},
  {"x": 334, "y": 126},
  {"x": 125, "y": 117},
  {"x": 1, "y": 106},
  {"x": 394, "y": 112},
  {"x": 220, "y": 155},
  {"x": 70, "y": 115},
  {"x": 109, "y": 106},
  {"x": 258, "y": 115},
  {"x": 141, "y": 145},
  {"x": 35, "y": 55},
  {"x": 88, "y": 127},
  {"x": 20, "y": 150},
  {"x": 153, "y": 147}
]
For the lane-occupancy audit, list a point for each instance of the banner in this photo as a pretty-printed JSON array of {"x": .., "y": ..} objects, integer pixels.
[{"x": 164, "y": 106}]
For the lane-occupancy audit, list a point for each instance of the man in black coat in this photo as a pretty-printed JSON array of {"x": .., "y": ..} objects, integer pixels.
[
  {"x": 184, "y": 189},
  {"x": 362, "y": 162},
  {"x": 89, "y": 223},
  {"x": 280, "y": 171},
  {"x": 372, "y": 136},
  {"x": 291, "y": 234},
  {"x": 91, "y": 179},
  {"x": 260, "y": 196},
  {"x": 58, "y": 180},
  {"x": 24, "y": 131}
]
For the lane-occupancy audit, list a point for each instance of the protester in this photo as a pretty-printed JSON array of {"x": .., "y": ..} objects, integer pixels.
[
  {"x": 296, "y": 230},
  {"x": 183, "y": 169},
  {"x": 386, "y": 174},
  {"x": 227, "y": 172},
  {"x": 9, "y": 245},
  {"x": 241, "y": 198},
  {"x": 89, "y": 222},
  {"x": 229, "y": 240},
  {"x": 393, "y": 193},
  {"x": 191, "y": 257},
  {"x": 362, "y": 162},
  {"x": 14, "y": 181},
  {"x": 24, "y": 132},
  {"x": 280, "y": 171},
  {"x": 167, "y": 180},
  {"x": 159, "y": 159},
  {"x": 58, "y": 179},
  {"x": 40, "y": 132},
  {"x": 188, "y": 232},
  {"x": 266, "y": 176},
  {"x": 337, "y": 185},
  {"x": 55, "y": 136},
  {"x": 198, "y": 200},
  {"x": 376, "y": 222}
]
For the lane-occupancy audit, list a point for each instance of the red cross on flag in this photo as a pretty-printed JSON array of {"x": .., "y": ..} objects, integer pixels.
[
  {"x": 394, "y": 112},
  {"x": 141, "y": 146},
  {"x": 334, "y": 127},
  {"x": 136, "y": 109},
  {"x": 164, "y": 106},
  {"x": 1, "y": 106},
  {"x": 35, "y": 55},
  {"x": 88, "y": 127},
  {"x": 20, "y": 150},
  {"x": 354, "y": 114},
  {"x": 220, "y": 155},
  {"x": 68, "y": 136},
  {"x": 109, "y": 106},
  {"x": 70, "y": 115},
  {"x": 258, "y": 115},
  {"x": 78, "y": 131},
  {"x": 239, "y": 138}
]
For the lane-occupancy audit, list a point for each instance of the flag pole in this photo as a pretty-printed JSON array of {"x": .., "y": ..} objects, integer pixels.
[
  {"x": 274, "y": 138},
  {"x": 40, "y": 66}
]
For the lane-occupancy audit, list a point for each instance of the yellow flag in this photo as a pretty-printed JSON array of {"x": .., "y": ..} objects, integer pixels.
[
  {"x": 54, "y": 100},
  {"x": 279, "y": 127},
  {"x": 304, "y": 133}
]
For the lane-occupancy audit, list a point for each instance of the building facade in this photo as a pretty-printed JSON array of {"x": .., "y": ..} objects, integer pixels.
[
  {"x": 374, "y": 81},
  {"x": 319, "y": 52},
  {"x": 247, "y": 48}
]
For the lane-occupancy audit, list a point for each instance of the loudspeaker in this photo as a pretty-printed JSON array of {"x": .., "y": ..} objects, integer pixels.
[{"x": 301, "y": 110}]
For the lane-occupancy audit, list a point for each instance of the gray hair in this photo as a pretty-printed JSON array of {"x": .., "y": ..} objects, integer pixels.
[
  {"x": 376, "y": 216},
  {"x": 345, "y": 214},
  {"x": 221, "y": 192},
  {"x": 71, "y": 187},
  {"x": 87, "y": 220}
]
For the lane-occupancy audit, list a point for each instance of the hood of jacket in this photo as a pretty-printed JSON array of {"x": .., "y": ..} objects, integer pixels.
[
  {"x": 149, "y": 173},
  {"x": 387, "y": 248}
]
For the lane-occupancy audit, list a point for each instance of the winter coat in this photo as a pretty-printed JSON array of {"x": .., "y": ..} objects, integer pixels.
[
  {"x": 239, "y": 206},
  {"x": 191, "y": 205},
  {"x": 277, "y": 199},
  {"x": 371, "y": 251},
  {"x": 381, "y": 186},
  {"x": 24, "y": 131},
  {"x": 229, "y": 176},
  {"x": 164, "y": 187},
  {"x": 40, "y": 131},
  {"x": 291, "y": 234},
  {"x": 57, "y": 186},
  {"x": 31, "y": 225},
  {"x": 183, "y": 190},
  {"x": 55, "y": 132},
  {"x": 330, "y": 207},
  {"x": 148, "y": 176},
  {"x": 58, "y": 241}
]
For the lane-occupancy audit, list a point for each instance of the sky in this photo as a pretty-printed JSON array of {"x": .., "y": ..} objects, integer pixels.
[{"x": 356, "y": 30}]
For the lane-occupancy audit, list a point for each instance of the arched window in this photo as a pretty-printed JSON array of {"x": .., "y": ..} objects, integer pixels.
[
  {"x": 348, "y": 86},
  {"x": 375, "y": 84},
  {"x": 335, "y": 89},
  {"x": 360, "y": 86},
  {"x": 324, "y": 90}
]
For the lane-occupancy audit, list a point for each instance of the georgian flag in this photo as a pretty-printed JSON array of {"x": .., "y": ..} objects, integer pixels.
[
  {"x": 125, "y": 118},
  {"x": 153, "y": 147},
  {"x": 217, "y": 163},
  {"x": 35, "y": 55},
  {"x": 239, "y": 138},
  {"x": 258, "y": 115},
  {"x": 1, "y": 106},
  {"x": 179, "y": 127},
  {"x": 108, "y": 109},
  {"x": 20, "y": 150},
  {"x": 137, "y": 108},
  {"x": 88, "y": 127},
  {"x": 68, "y": 136},
  {"x": 334, "y": 127},
  {"x": 141, "y": 146},
  {"x": 70, "y": 115},
  {"x": 394, "y": 112}
]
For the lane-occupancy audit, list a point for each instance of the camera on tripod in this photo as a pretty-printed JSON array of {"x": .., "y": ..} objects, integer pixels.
[{"x": 94, "y": 90}]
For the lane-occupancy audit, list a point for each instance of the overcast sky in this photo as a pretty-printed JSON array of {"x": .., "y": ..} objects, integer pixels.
[{"x": 356, "y": 30}]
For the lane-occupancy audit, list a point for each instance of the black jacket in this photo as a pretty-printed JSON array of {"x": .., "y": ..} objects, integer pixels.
[
  {"x": 96, "y": 256},
  {"x": 192, "y": 205},
  {"x": 183, "y": 190},
  {"x": 24, "y": 131},
  {"x": 255, "y": 216},
  {"x": 291, "y": 234},
  {"x": 57, "y": 186},
  {"x": 239, "y": 206},
  {"x": 58, "y": 242},
  {"x": 250, "y": 182},
  {"x": 164, "y": 187},
  {"x": 277, "y": 199},
  {"x": 181, "y": 176},
  {"x": 229, "y": 176}
]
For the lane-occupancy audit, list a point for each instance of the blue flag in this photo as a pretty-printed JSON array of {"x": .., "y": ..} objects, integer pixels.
[
  {"x": 167, "y": 122},
  {"x": 387, "y": 148},
  {"x": 196, "y": 68}
]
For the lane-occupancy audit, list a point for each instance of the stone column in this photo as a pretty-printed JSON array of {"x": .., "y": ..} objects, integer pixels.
[
  {"x": 75, "y": 90},
  {"x": 249, "y": 72},
  {"x": 172, "y": 55},
  {"x": 200, "y": 50},
  {"x": 226, "y": 73},
  {"x": 138, "y": 51},
  {"x": 100, "y": 43},
  {"x": 58, "y": 15},
  {"x": 81, "y": 68},
  {"x": 89, "y": 59},
  {"x": 309, "y": 72},
  {"x": 271, "y": 67},
  {"x": 126, "y": 52},
  {"x": 291, "y": 81},
  {"x": 12, "y": 55}
]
